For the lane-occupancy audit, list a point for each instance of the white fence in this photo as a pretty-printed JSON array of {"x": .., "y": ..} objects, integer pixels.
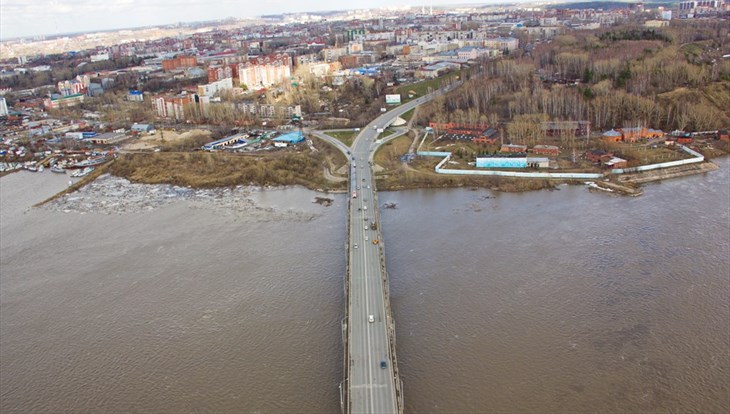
[{"x": 697, "y": 157}]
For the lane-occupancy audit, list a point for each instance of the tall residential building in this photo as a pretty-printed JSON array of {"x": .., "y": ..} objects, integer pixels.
[
  {"x": 3, "y": 106},
  {"x": 264, "y": 71},
  {"x": 216, "y": 73},
  {"x": 172, "y": 106}
]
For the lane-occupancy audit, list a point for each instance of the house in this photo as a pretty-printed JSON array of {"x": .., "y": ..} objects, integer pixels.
[
  {"x": 489, "y": 136},
  {"x": 639, "y": 133},
  {"x": 616, "y": 162},
  {"x": 513, "y": 148},
  {"x": 598, "y": 156},
  {"x": 684, "y": 140},
  {"x": 106, "y": 138},
  {"x": 564, "y": 128},
  {"x": 142, "y": 128},
  {"x": 546, "y": 150},
  {"x": 723, "y": 135},
  {"x": 612, "y": 136}
]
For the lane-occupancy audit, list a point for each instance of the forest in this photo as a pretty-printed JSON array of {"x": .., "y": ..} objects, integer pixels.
[{"x": 669, "y": 78}]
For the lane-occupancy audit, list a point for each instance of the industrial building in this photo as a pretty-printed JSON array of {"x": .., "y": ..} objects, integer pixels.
[
  {"x": 290, "y": 138},
  {"x": 509, "y": 162}
]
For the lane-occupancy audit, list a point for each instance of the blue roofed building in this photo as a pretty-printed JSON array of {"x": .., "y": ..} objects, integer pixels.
[{"x": 290, "y": 138}]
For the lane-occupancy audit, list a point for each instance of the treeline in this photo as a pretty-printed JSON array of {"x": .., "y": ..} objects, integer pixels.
[
  {"x": 607, "y": 78},
  {"x": 64, "y": 70}
]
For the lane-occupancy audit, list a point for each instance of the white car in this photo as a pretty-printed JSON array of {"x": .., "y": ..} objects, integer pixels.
[
  {"x": 356, "y": 245},
  {"x": 371, "y": 318}
]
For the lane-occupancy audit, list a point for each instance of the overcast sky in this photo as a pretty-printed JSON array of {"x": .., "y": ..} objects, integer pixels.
[{"x": 20, "y": 18}]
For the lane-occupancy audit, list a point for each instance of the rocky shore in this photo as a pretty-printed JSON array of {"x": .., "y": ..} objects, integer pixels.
[{"x": 109, "y": 194}]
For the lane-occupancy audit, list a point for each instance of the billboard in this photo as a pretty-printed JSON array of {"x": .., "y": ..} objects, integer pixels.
[{"x": 392, "y": 99}]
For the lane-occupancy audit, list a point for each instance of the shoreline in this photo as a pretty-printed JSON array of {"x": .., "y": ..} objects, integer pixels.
[{"x": 628, "y": 185}]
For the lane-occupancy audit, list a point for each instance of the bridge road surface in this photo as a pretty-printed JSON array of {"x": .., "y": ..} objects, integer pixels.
[{"x": 372, "y": 389}]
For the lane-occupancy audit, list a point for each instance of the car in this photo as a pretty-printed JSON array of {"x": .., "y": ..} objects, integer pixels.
[
  {"x": 366, "y": 227},
  {"x": 368, "y": 186},
  {"x": 365, "y": 208},
  {"x": 356, "y": 245},
  {"x": 366, "y": 238},
  {"x": 383, "y": 364},
  {"x": 371, "y": 318}
]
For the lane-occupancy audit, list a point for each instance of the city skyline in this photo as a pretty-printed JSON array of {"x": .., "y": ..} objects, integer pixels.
[{"x": 20, "y": 18}]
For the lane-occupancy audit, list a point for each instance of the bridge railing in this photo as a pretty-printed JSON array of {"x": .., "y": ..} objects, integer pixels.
[
  {"x": 388, "y": 310},
  {"x": 345, "y": 384}
]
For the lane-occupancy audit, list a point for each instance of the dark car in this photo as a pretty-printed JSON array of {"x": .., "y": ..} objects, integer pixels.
[{"x": 383, "y": 364}]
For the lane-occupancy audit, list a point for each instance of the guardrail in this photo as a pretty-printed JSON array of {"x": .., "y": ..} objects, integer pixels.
[
  {"x": 388, "y": 310},
  {"x": 345, "y": 384}
]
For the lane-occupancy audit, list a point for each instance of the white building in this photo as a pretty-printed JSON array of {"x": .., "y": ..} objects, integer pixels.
[
  {"x": 502, "y": 43},
  {"x": 262, "y": 76},
  {"x": 212, "y": 88},
  {"x": 3, "y": 106},
  {"x": 99, "y": 57}
]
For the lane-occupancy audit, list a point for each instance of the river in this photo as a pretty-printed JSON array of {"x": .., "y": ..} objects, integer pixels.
[{"x": 549, "y": 301}]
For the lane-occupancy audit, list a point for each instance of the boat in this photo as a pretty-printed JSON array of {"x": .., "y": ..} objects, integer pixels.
[
  {"x": 58, "y": 169},
  {"x": 83, "y": 173},
  {"x": 91, "y": 162}
]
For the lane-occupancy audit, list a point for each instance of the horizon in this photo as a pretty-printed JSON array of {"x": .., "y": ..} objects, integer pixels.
[{"x": 72, "y": 17}]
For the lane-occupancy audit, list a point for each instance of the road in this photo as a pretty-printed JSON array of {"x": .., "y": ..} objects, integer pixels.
[{"x": 372, "y": 388}]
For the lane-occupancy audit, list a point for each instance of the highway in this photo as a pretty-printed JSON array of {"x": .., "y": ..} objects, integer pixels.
[{"x": 372, "y": 377}]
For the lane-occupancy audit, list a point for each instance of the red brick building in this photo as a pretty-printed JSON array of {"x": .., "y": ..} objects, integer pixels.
[
  {"x": 598, "y": 156},
  {"x": 546, "y": 150},
  {"x": 179, "y": 62},
  {"x": 513, "y": 148}
]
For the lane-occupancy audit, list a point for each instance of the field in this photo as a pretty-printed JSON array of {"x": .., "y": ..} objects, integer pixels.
[
  {"x": 169, "y": 140},
  {"x": 220, "y": 169}
]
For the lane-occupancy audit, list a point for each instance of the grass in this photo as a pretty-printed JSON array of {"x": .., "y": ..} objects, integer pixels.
[
  {"x": 346, "y": 137},
  {"x": 408, "y": 115},
  {"x": 206, "y": 170},
  {"x": 388, "y": 132},
  {"x": 425, "y": 86},
  {"x": 388, "y": 154}
]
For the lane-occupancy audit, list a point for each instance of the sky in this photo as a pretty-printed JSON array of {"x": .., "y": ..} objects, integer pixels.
[{"x": 22, "y": 18}]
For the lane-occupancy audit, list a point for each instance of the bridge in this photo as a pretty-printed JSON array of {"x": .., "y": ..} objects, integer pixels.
[{"x": 371, "y": 382}]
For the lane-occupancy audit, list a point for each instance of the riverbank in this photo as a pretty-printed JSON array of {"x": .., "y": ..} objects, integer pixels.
[{"x": 200, "y": 170}]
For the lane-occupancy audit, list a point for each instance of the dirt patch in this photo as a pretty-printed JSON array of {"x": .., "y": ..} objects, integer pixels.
[{"x": 165, "y": 137}]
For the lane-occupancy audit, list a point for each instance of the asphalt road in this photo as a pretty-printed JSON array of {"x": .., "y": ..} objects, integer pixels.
[{"x": 371, "y": 387}]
